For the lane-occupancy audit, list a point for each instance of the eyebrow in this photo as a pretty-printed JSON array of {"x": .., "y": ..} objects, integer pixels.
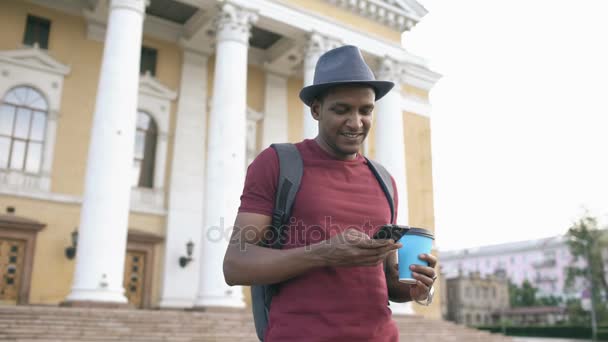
[{"x": 349, "y": 105}]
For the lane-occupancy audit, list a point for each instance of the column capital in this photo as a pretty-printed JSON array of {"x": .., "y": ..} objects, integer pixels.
[
  {"x": 234, "y": 23},
  {"x": 391, "y": 70},
  {"x": 134, "y": 5},
  {"x": 316, "y": 45}
]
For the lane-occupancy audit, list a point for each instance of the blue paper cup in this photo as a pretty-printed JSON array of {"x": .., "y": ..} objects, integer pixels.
[{"x": 415, "y": 242}]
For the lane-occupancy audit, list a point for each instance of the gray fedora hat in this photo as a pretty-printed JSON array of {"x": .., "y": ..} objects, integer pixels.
[{"x": 342, "y": 66}]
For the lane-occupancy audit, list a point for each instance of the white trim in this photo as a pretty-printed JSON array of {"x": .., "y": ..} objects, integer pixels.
[
  {"x": 163, "y": 29},
  {"x": 420, "y": 76},
  {"x": 66, "y": 199},
  {"x": 149, "y": 85},
  {"x": 308, "y": 21},
  {"x": 398, "y": 16},
  {"x": 155, "y": 99},
  {"x": 67, "y": 6},
  {"x": 34, "y": 68},
  {"x": 34, "y": 58},
  {"x": 416, "y": 105}
]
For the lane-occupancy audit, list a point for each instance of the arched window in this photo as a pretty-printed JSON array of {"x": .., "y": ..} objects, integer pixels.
[
  {"x": 145, "y": 149},
  {"x": 23, "y": 116}
]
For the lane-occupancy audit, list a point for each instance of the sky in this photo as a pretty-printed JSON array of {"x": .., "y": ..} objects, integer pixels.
[{"x": 519, "y": 122}]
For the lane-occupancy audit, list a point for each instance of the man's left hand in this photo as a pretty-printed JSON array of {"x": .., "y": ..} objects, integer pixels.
[{"x": 425, "y": 277}]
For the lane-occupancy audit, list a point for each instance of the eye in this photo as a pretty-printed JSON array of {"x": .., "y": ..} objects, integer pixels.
[
  {"x": 340, "y": 110},
  {"x": 367, "y": 110}
]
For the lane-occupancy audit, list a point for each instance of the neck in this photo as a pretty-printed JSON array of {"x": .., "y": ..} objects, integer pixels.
[{"x": 333, "y": 151}]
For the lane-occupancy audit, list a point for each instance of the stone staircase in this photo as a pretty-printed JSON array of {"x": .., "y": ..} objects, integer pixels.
[{"x": 45, "y": 323}]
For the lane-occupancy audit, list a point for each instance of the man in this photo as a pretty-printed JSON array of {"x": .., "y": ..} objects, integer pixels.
[{"x": 335, "y": 281}]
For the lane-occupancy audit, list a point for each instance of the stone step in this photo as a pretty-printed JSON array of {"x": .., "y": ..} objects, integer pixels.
[{"x": 44, "y": 323}]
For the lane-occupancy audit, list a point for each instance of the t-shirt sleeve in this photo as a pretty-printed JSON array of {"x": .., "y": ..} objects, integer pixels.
[
  {"x": 396, "y": 199},
  {"x": 261, "y": 184}
]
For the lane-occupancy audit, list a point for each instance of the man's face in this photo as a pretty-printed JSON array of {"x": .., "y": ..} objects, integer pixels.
[{"x": 345, "y": 117}]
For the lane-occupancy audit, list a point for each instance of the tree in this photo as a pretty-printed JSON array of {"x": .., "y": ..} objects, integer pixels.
[
  {"x": 522, "y": 296},
  {"x": 586, "y": 242}
]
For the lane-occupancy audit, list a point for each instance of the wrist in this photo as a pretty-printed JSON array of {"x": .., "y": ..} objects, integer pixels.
[{"x": 315, "y": 255}]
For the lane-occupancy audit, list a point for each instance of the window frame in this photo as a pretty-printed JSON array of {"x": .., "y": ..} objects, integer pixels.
[
  {"x": 28, "y": 140},
  {"x": 33, "y": 22}
]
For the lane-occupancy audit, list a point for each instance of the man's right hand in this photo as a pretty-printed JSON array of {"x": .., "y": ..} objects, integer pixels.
[{"x": 354, "y": 248}]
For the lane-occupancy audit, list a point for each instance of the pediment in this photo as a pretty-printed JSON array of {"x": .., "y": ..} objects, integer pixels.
[
  {"x": 34, "y": 58},
  {"x": 151, "y": 86}
]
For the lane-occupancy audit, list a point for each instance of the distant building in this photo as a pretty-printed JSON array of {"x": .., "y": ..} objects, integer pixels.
[
  {"x": 537, "y": 315},
  {"x": 542, "y": 262},
  {"x": 473, "y": 300}
]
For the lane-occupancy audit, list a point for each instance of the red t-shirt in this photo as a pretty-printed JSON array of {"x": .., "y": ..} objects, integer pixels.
[{"x": 328, "y": 303}]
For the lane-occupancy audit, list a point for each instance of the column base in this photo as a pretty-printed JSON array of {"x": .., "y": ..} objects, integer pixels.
[
  {"x": 95, "y": 304},
  {"x": 402, "y": 308},
  {"x": 101, "y": 296},
  {"x": 176, "y": 303},
  {"x": 208, "y": 302}
]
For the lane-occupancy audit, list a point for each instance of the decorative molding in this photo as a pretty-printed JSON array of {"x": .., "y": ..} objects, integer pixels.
[
  {"x": 399, "y": 15},
  {"x": 234, "y": 22},
  {"x": 390, "y": 70},
  {"x": 317, "y": 44},
  {"x": 420, "y": 76},
  {"x": 149, "y": 85},
  {"x": 21, "y": 181},
  {"x": 163, "y": 29},
  {"x": 69, "y": 199},
  {"x": 150, "y": 201},
  {"x": 155, "y": 99},
  {"x": 34, "y": 58},
  {"x": 307, "y": 21},
  {"x": 34, "y": 68}
]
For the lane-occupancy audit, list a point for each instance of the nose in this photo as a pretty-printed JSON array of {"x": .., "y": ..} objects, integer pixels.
[{"x": 354, "y": 122}]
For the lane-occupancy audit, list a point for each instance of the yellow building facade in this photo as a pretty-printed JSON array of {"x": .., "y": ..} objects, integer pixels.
[{"x": 42, "y": 190}]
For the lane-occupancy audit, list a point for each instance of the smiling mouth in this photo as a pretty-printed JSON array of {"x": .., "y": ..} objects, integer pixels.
[{"x": 351, "y": 135}]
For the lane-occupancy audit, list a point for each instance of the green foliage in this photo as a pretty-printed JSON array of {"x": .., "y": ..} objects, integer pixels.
[
  {"x": 522, "y": 296},
  {"x": 570, "y": 331},
  {"x": 526, "y": 295},
  {"x": 586, "y": 242}
]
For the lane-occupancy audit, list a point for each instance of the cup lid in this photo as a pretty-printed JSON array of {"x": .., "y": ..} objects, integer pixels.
[{"x": 421, "y": 232}]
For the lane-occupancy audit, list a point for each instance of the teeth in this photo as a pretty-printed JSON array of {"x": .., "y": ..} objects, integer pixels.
[{"x": 350, "y": 135}]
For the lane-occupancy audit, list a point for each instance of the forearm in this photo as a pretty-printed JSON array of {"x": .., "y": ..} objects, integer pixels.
[{"x": 249, "y": 264}]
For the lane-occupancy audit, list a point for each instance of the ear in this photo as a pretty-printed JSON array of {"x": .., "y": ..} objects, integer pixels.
[{"x": 315, "y": 109}]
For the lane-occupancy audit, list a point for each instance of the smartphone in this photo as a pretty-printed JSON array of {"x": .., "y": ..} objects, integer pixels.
[{"x": 391, "y": 231}]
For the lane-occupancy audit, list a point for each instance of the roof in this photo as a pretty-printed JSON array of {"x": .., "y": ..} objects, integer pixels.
[
  {"x": 534, "y": 310},
  {"x": 504, "y": 248}
]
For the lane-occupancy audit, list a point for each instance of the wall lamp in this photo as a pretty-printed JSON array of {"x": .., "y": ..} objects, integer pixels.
[
  {"x": 185, "y": 260},
  {"x": 70, "y": 252}
]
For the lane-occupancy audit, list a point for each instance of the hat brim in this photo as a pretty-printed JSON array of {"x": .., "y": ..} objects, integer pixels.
[{"x": 309, "y": 93}]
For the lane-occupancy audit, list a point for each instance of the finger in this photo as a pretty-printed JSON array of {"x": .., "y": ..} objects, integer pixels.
[
  {"x": 373, "y": 244},
  {"x": 431, "y": 259},
  {"x": 424, "y": 270},
  {"x": 426, "y": 281}
]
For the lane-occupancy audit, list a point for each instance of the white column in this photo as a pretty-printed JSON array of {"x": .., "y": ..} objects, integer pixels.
[
  {"x": 226, "y": 154},
  {"x": 316, "y": 45},
  {"x": 275, "y": 125},
  {"x": 187, "y": 184},
  {"x": 389, "y": 141},
  {"x": 104, "y": 216}
]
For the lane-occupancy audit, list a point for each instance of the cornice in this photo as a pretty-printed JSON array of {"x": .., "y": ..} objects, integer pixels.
[{"x": 397, "y": 14}]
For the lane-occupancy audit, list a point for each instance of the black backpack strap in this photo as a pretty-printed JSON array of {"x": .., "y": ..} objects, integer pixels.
[
  {"x": 291, "y": 168},
  {"x": 386, "y": 183}
]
